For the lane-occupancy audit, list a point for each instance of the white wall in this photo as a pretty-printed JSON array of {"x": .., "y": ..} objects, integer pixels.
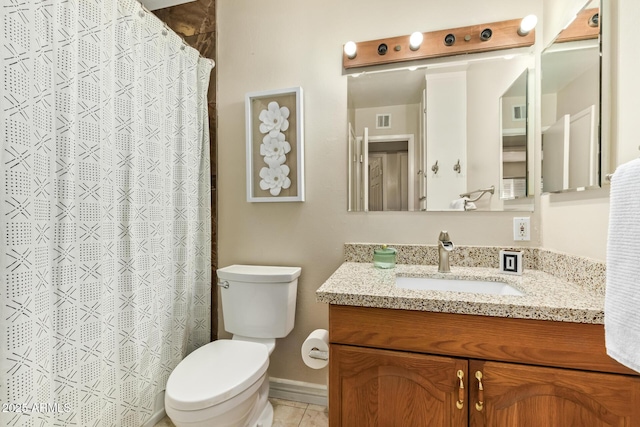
[
  {"x": 486, "y": 82},
  {"x": 626, "y": 67},
  {"x": 267, "y": 45},
  {"x": 580, "y": 94},
  {"x": 578, "y": 223},
  {"x": 549, "y": 105}
]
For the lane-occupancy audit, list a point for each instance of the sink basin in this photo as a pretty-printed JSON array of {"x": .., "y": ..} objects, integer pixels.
[{"x": 456, "y": 285}]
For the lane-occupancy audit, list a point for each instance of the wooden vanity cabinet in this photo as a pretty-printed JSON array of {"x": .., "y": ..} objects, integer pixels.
[
  {"x": 410, "y": 368},
  {"x": 527, "y": 396},
  {"x": 392, "y": 388}
]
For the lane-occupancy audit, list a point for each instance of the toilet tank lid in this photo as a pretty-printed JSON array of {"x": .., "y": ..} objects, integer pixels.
[{"x": 259, "y": 273}]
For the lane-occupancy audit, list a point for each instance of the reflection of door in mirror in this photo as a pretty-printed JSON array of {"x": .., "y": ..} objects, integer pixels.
[
  {"x": 513, "y": 122},
  {"x": 356, "y": 172},
  {"x": 446, "y": 119},
  {"x": 376, "y": 192},
  {"x": 570, "y": 87},
  {"x": 451, "y": 109},
  {"x": 555, "y": 160},
  {"x": 583, "y": 149},
  {"x": 390, "y": 183}
]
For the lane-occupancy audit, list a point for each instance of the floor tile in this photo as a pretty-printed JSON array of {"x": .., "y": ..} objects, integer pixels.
[
  {"x": 317, "y": 408},
  {"x": 165, "y": 422},
  {"x": 287, "y": 416},
  {"x": 313, "y": 418},
  {"x": 275, "y": 402},
  {"x": 287, "y": 413}
]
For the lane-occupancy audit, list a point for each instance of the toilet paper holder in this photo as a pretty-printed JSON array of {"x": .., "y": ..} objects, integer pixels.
[
  {"x": 315, "y": 349},
  {"x": 315, "y": 353}
]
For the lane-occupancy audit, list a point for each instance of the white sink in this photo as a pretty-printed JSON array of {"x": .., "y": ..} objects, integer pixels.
[{"x": 456, "y": 285}]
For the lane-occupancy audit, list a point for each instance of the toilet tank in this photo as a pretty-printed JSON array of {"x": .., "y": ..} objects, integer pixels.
[{"x": 259, "y": 301}]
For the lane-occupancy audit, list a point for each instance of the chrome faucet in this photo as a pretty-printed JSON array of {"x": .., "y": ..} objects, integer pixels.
[{"x": 445, "y": 245}]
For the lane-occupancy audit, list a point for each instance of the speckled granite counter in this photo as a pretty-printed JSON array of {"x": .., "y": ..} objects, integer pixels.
[{"x": 547, "y": 297}]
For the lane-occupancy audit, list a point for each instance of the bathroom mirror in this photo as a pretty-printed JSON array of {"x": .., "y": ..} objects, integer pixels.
[
  {"x": 571, "y": 114},
  {"x": 421, "y": 137},
  {"x": 513, "y": 125}
]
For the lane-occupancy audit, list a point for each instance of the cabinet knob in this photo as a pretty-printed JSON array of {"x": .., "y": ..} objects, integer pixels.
[
  {"x": 460, "y": 402},
  {"x": 480, "y": 403}
]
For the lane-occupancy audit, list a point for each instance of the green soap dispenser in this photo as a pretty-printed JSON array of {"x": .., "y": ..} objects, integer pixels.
[{"x": 384, "y": 257}]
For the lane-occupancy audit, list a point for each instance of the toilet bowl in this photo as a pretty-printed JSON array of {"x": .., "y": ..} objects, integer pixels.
[{"x": 225, "y": 383}]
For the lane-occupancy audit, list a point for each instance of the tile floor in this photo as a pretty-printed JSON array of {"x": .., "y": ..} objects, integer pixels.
[{"x": 287, "y": 414}]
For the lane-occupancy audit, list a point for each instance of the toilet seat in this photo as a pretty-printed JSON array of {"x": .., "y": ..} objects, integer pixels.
[{"x": 214, "y": 373}]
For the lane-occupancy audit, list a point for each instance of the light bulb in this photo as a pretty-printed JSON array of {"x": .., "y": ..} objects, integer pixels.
[
  {"x": 350, "y": 49},
  {"x": 528, "y": 23},
  {"x": 415, "y": 40}
]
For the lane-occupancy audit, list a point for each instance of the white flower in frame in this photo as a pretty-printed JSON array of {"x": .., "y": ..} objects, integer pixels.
[
  {"x": 274, "y": 149},
  {"x": 275, "y": 179},
  {"x": 274, "y": 119}
]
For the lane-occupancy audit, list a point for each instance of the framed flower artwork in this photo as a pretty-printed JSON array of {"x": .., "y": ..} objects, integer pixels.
[{"x": 275, "y": 146}]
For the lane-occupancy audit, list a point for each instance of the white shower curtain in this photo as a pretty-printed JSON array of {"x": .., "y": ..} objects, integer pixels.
[{"x": 105, "y": 228}]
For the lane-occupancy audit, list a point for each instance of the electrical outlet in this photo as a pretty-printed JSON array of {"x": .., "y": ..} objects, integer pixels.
[{"x": 521, "y": 228}]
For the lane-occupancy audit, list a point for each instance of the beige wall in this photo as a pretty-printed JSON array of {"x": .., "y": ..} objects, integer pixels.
[
  {"x": 404, "y": 120},
  {"x": 266, "y": 46},
  {"x": 507, "y": 112},
  {"x": 263, "y": 47}
]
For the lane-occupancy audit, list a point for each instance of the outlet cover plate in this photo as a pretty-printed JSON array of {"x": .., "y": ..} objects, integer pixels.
[{"x": 521, "y": 228}]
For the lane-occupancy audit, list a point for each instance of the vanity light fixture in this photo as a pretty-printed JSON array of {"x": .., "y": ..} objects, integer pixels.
[
  {"x": 571, "y": 21},
  {"x": 449, "y": 39},
  {"x": 585, "y": 26},
  {"x": 435, "y": 44},
  {"x": 527, "y": 24},
  {"x": 350, "y": 49},
  {"x": 415, "y": 40},
  {"x": 486, "y": 34}
]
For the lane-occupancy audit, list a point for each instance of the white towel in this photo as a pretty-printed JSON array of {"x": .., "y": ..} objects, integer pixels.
[
  {"x": 622, "y": 300},
  {"x": 459, "y": 205}
]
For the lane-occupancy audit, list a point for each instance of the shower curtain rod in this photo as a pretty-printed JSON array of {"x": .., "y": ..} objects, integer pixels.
[{"x": 184, "y": 43}]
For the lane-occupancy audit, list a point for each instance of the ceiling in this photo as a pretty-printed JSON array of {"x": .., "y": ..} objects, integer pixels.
[{"x": 397, "y": 87}]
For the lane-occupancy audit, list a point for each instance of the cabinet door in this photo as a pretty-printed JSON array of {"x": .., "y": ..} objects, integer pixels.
[
  {"x": 529, "y": 396},
  {"x": 381, "y": 388}
]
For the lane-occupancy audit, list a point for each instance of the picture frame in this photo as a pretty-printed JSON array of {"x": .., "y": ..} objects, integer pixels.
[{"x": 275, "y": 145}]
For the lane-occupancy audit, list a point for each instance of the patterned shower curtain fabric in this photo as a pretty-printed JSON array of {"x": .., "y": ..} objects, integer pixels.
[{"x": 105, "y": 202}]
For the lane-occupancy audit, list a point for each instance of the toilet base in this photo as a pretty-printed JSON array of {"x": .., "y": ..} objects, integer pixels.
[
  {"x": 266, "y": 417},
  {"x": 249, "y": 409}
]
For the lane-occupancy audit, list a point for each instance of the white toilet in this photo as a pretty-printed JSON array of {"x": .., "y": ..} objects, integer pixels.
[{"x": 225, "y": 383}]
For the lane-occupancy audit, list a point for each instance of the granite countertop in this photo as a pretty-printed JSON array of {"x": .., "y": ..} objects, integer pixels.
[{"x": 547, "y": 297}]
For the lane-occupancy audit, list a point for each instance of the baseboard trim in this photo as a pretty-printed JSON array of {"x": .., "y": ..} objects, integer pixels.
[{"x": 315, "y": 394}]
